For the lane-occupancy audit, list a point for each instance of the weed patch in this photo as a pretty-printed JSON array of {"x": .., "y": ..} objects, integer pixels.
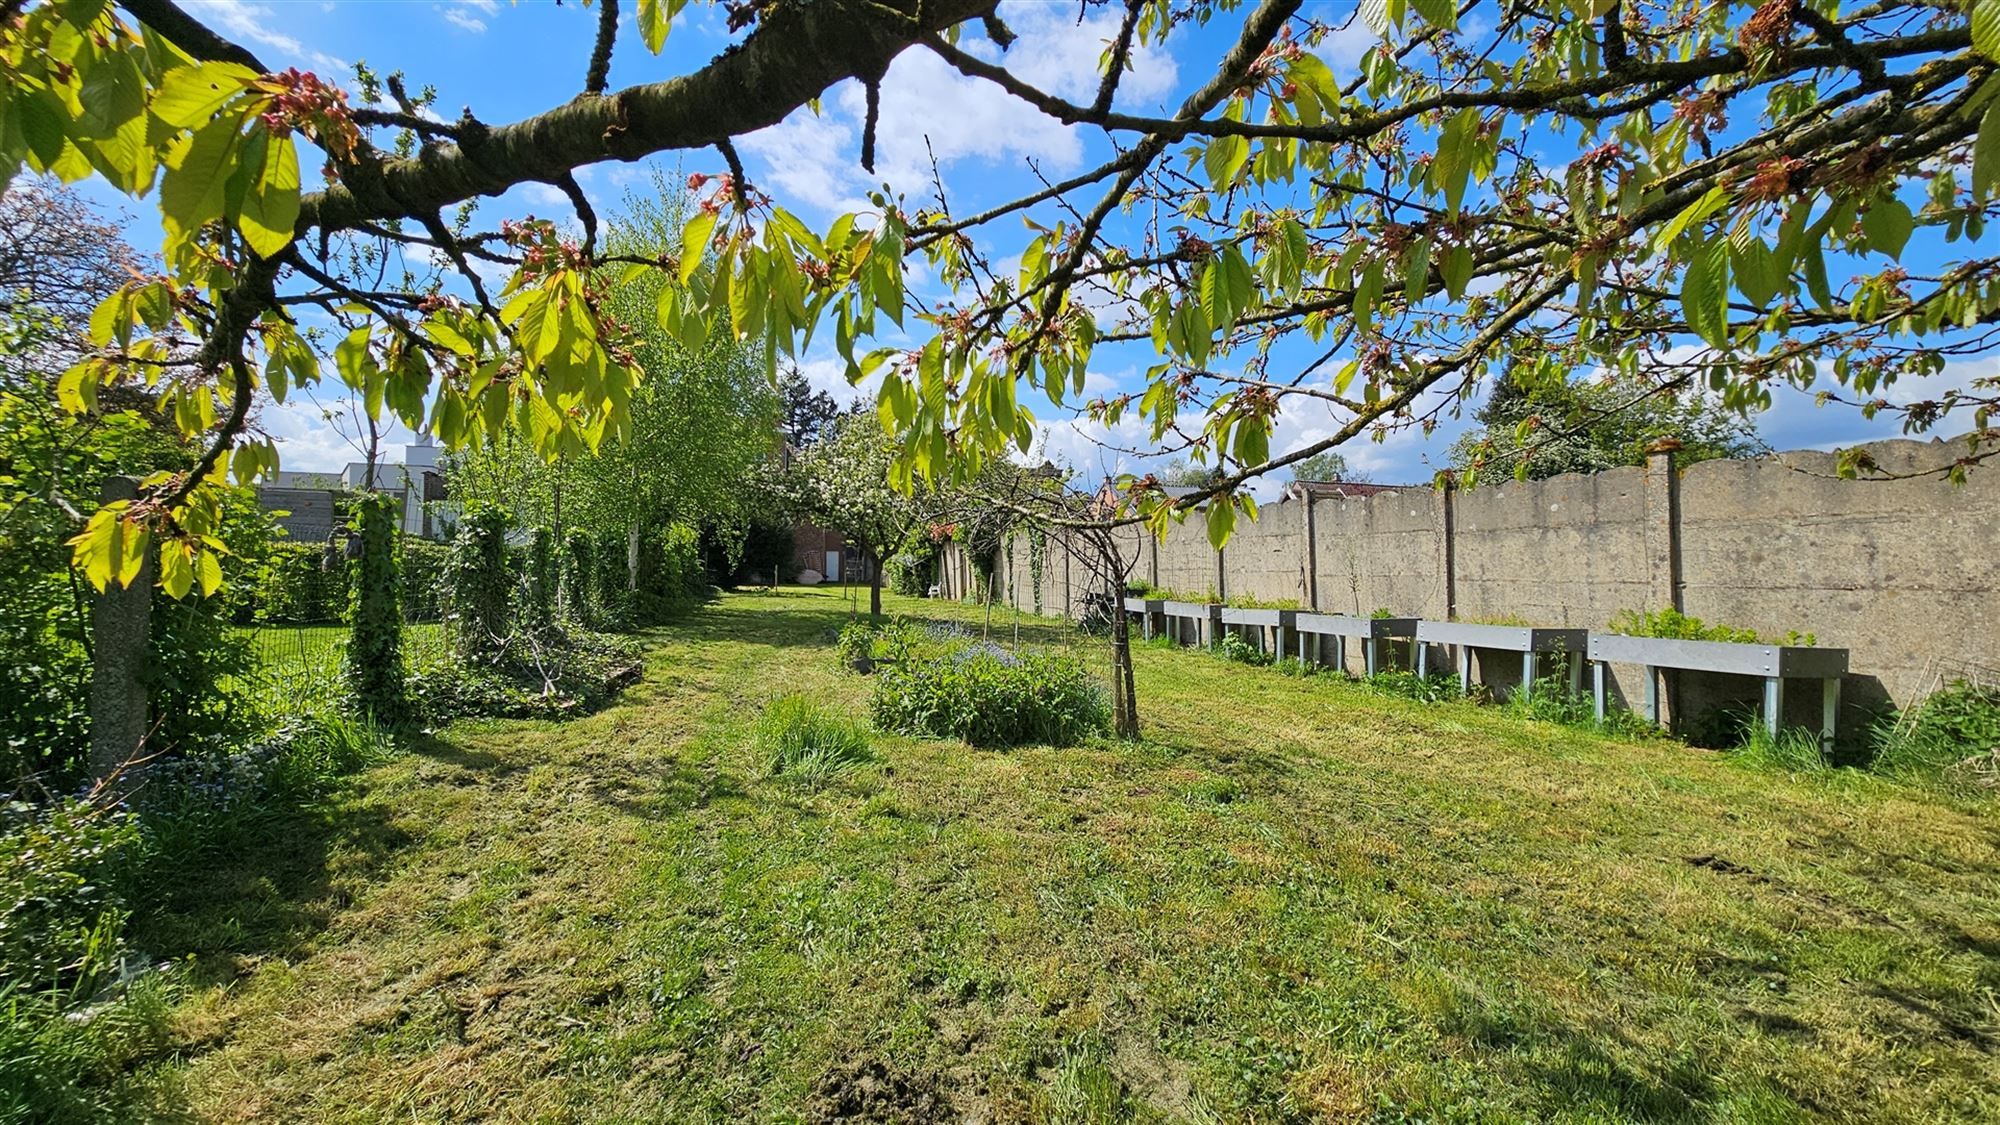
[{"x": 805, "y": 743}]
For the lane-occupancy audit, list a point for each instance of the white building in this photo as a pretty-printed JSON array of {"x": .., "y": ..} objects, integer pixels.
[{"x": 305, "y": 500}]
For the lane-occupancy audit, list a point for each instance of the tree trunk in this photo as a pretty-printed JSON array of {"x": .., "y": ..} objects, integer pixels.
[
  {"x": 121, "y": 631},
  {"x": 874, "y": 586},
  {"x": 632, "y": 557},
  {"x": 1124, "y": 694}
]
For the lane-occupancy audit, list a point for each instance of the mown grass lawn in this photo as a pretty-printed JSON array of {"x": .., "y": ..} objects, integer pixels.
[{"x": 1297, "y": 901}]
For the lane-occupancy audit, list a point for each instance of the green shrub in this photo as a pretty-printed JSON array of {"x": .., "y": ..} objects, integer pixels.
[
  {"x": 856, "y": 640},
  {"x": 576, "y": 584},
  {"x": 990, "y": 697},
  {"x": 672, "y": 577},
  {"x": 806, "y": 743},
  {"x": 63, "y": 873},
  {"x": 1438, "y": 687},
  {"x": 1955, "y": 725},
  {"x": 1674, "y": 624},
  {"x": 911, "y": 573},
  {"x": 1235, "y": 648}
]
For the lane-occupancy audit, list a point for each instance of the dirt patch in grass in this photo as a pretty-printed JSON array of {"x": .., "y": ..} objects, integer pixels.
[{"x": 873, "y": 1091}]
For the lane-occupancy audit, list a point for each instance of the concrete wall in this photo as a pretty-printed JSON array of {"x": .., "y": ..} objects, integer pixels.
[{"x": 1903, "y": 573}]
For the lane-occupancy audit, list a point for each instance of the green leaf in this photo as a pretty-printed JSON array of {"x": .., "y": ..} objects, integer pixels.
[
  {"x": 353, "y": 360},
  {"x": 1033, "y": 259},
  {"x": 656, "y": 18},
  {"x": 1986, "y": 28},
  {"x": 1219, "y": 292},
  {"x": 1251, "y": 442},
  {"x": 1813, "y": 257},
  {"x": 1705, "y": 293},
  {"x": 1367, "y": 292},
  {"x": 1453, "y": 164},
  {"x": 1458, "y": 271},
  {"x": 1691, "y": 214},
  {"x": 189, "y": 96},
  {"x": 198, "y": 170},
  {"x": 113, "y": 94},
  {"x": 208, "y": 572},
  {"x": 40, "y": 120},
  {"x": 1417, "y": 270},
  {"x": 176, "y": 571},
  {"x": 1224, "y": 159},
  {"x": 694, "y": 242},
  {"x": 1221, "y": 520},
  {"x": 1756, "y": 270},
  {"x": 1888, "y": 225},
  {"x": 271, "y": 206},
  {"x": 1438, "y": 13},
  {"x": 1986, "y": 154}
]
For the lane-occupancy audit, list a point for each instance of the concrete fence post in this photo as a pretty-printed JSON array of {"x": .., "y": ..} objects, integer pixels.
[
  {"x": 121, "y": 619},
  {"x": 1663, "y": 525},
  {"x": 1448, "y": 543},
  {"x": 1311, "y": 555},
  {"x": 1663, "y": 559}
]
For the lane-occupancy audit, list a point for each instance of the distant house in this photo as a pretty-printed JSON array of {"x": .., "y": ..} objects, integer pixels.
[
  {"x": 829, "y": 553},
  {"x": 306, "y": 502}
]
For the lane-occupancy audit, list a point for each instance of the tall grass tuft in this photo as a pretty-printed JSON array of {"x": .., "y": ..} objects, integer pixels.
[
  {"x": 808, "y": 744},
  {"x": 1792, "y": 750},
  {"x": 1954, "y": 734}
]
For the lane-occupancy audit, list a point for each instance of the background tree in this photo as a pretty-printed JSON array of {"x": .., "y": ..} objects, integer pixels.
[
  {"x": 1178, "y": 473},
  {"x": 1325, "y": 467},
  {"x": 804, "y": 412},
  {"x": 842, "y": 482},
  {"x": 699, "y": 422},
  {"x": 1587, "y": 427}
]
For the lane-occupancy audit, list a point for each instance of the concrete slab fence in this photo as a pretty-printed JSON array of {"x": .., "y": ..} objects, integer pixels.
[{"x": 1904, "y": 573}]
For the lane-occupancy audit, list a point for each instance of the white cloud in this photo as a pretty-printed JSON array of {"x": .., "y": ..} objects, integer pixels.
[
  {"x": 1796, "y": 420},
  {"x": 931, "y": 110},
  {"x": 252, "y": 23},
  {"x": 1348, "y": 38},
  {"x": 308, "y": 439},
  {"x": 827, "y": 373},
  {"x": 460, "y": 15}
]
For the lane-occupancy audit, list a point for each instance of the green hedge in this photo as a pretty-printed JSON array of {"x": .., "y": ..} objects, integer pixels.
[
  {"x": 421, "y": 563},
  {"x": 297, "y": 586}
]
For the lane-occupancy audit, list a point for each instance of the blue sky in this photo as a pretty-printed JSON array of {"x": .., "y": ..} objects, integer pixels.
[{"x": 508, "y": 61}]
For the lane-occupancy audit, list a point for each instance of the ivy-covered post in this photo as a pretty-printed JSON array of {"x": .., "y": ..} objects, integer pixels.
[
  {"x": 375, "y": 645},
  {"x": 538, "y": 592},
  {"x": 477, "y": 584},
  {"x": 574, "y": 587},
  {"x": 120, "y": 623}
]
